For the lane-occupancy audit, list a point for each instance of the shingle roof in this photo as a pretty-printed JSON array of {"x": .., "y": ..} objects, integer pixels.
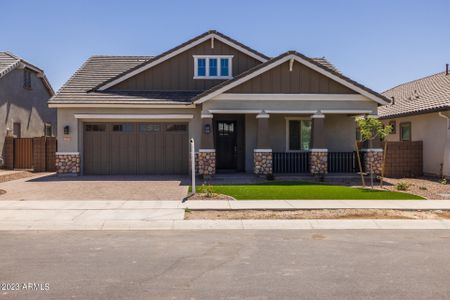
[
  {"x": 9, "y": 62},
  {"x": 80, "y": 88},
  {"x": 428, "y": 94},
  {"x": 98, "y": 69}
]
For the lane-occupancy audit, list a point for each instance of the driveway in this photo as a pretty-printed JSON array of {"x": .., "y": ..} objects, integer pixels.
[{"x": 52, "y": 187}]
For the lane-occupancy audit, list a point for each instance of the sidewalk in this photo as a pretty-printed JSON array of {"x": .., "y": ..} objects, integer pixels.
[{"x": 166, "y": 215}]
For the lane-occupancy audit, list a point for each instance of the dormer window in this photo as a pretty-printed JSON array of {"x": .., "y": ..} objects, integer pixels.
[{"x": 212, "y": 67}]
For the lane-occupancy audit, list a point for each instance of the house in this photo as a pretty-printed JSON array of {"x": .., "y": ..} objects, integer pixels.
[
  {"x": 246, "y": 112},
  {"x": 420, "y": 111},
  {"x": 24, "y": 92}
]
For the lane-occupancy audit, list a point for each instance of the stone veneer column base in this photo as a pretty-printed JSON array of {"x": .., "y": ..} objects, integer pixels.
[
  {"x": 373, "y": 157},
  {"x": 262, "y": 159},
  {"x": 68, "y": 163},
  {"x": 207, "y": 162},
  {"x": 319, "y": 161}
]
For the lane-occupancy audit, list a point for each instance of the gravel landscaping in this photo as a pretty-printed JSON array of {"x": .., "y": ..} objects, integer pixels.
[
  {"x": 429, "y": 188},
  {"x": 316, "y": 214}
]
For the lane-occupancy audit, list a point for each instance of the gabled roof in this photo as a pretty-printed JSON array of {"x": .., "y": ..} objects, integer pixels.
[
  {"x": 97, "y": 69},
  {"x": 9, "y": 62},
  {"x": 212, "y": 34},
  {"x": 322, "y": 68},
  {"x": 428, "y": 94}
]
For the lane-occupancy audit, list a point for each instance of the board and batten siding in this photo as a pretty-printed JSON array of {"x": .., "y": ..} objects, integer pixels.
[
  {"x": 176, "y": 73},
  {"x": 301, "y": 80}
]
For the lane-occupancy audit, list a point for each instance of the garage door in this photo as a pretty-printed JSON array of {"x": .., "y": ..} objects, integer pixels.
[{"x": 135, "y": 148}]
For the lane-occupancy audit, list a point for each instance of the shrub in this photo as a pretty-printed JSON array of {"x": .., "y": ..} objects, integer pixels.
[
  {"x": 402, "y": 186},
  {"x": 443, "y": 181},
  {"x": 208, "y": 190}
]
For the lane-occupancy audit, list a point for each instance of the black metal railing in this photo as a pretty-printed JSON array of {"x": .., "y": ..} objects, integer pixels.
[
  {"x": 342, "y": 162},
  {"x": 290, "y": 162}
]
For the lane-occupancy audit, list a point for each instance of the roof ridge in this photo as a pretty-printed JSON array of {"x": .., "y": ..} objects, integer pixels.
[
  {"x": 411, "y": 81},
  {"x": 109, "y": 56}
]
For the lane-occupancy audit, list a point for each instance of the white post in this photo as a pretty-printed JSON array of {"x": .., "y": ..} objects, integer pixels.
[{"x": 193, "y": 165}]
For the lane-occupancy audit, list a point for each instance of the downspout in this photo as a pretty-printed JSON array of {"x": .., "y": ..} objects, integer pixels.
[{"x": 446, "y": 158}]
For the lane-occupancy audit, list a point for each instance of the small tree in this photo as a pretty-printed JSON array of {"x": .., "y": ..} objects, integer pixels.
[{"x": 371, "y": 129}]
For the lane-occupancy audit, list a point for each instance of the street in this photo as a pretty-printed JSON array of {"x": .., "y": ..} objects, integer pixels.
[{"x": 228, "y": 264}]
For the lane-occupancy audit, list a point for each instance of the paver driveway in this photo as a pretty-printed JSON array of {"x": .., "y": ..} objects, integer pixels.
[{"x": 52, "y": 187}]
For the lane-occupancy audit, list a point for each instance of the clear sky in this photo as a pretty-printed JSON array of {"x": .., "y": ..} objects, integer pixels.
[{"x": 380, "y": 43}]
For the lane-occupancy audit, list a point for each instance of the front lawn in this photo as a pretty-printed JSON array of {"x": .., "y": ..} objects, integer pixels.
[{"x": 290, "y": 190}]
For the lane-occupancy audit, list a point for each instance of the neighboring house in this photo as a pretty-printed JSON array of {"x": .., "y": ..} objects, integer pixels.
[
  {"x": 420, "y": 111},
  {"x": 246, "y": 112},
  {"x": 24, "y": 92}
]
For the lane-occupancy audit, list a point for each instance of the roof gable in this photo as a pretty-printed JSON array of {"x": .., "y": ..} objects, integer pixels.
[
  {"x": 291, "y": 57},
  {"x": 177, "y": 73},
  {"x": 210, "y": 35}
]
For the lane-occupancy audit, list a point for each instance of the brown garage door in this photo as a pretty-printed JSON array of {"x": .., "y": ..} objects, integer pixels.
[{"x": 135, "y": 148}]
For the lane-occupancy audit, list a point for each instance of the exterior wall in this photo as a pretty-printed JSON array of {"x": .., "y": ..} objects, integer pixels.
[
  {"x": 177, "y": 73},
  {"x": 433, "y": 131},
  {"x": 73, "y": 142},
  {"x": 298, "y": 81},
  {"x": 27, "y": 107}
]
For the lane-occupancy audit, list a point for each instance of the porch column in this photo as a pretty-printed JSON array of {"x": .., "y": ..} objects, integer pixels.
[
  {"x": 206, "y": 159},
  {"x": 262, "y": 155},
  {"x": 319, "y": 151}
]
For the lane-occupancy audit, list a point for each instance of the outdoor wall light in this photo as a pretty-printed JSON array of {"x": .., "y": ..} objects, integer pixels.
[
  {"x": 207, "y": 129},
  {"x": 66, "y": 129}
]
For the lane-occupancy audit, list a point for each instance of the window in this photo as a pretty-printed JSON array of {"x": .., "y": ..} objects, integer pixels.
[
  {"x": 298, "y": 135},
  {"x": 225, "y": 128},
  {"x": 27, "y": 79},
  {"x": 95, "y": 127},
  {"x": 17, "y": 130},
  {"x": 149, "y": 128},
  {"x": 123, "y": 127},
  {"x": 405, "y": 131},
  {"x": 48, "y": 131},
  {"x": 212, "y": 67},
  {"x": 176, "y": 127},
  {"x": 393, "y": 124}
]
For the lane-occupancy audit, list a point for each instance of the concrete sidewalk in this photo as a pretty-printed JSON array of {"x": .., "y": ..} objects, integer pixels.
[{"x": 159, "y": 215}]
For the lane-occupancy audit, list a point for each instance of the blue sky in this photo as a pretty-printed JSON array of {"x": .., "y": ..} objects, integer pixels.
[{"x": 379, "y": 43}]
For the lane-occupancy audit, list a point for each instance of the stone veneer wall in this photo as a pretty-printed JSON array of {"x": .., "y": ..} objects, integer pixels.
[
  {"x": 263, "y": 163},
  {"x": 207, "y": 163},
  {"x": 376, "y": 159},
  {"x": 319, "y": 162},
  {"x": 68, "y": 163}
]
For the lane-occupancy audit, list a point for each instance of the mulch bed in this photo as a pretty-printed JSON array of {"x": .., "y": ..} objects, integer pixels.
[{"x": 316, "y": 214}]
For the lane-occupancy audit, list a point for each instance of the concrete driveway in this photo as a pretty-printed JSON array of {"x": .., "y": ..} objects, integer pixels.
[{"x": 52, "y": 187}]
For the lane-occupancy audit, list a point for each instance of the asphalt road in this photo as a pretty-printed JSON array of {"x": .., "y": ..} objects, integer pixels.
[{"x": 235, "y": 264}]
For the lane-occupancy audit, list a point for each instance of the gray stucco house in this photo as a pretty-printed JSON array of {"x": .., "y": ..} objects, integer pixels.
[
  {"x": 247, "y": 112},
  {"x": 420, "y": 111},
  {"x": 24, "y": 92}
]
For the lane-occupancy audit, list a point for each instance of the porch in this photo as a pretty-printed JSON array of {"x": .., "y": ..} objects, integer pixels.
[{"x": 282, "y": 143}]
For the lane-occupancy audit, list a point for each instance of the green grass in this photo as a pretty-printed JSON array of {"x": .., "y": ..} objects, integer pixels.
[{"x": 290, "y": 190}]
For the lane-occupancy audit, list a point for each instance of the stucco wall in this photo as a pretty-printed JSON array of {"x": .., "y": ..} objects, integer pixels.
[
  {"x": 432, "y": 130},
  {"x": 27, "y": 107}
]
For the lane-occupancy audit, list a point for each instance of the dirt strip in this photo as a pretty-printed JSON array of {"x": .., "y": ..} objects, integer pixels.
[{"x": 316, "y": 214}]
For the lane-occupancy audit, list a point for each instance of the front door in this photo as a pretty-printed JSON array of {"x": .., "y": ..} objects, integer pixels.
[{"x": 226, "y": 144}]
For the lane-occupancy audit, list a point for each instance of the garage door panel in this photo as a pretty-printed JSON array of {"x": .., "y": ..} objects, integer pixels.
[
  {"x": 96, "y": 149},
  {"x": 136, "y": 148},
  {"x": 123, "y": 149}
]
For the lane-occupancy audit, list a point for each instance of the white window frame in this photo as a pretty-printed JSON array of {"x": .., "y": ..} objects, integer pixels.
[
  {"x": 219, "y": 66},
  {"x": 287, "y": 132}
]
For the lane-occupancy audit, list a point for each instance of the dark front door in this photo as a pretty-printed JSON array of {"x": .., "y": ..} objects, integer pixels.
[{"x": 226, "y": 144}]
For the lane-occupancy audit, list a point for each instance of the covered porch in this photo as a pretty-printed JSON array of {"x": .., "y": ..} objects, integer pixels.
[{"x": 270, "y": 141}]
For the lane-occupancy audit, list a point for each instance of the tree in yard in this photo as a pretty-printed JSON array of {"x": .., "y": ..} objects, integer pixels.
[{"x": 371, "y": 129}]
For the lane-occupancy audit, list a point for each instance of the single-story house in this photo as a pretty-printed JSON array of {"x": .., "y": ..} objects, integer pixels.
[
  {"x": 24, "y": 93},
  {"x": 245, "y": 111},
  {"x": 420, "y": 111}
]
